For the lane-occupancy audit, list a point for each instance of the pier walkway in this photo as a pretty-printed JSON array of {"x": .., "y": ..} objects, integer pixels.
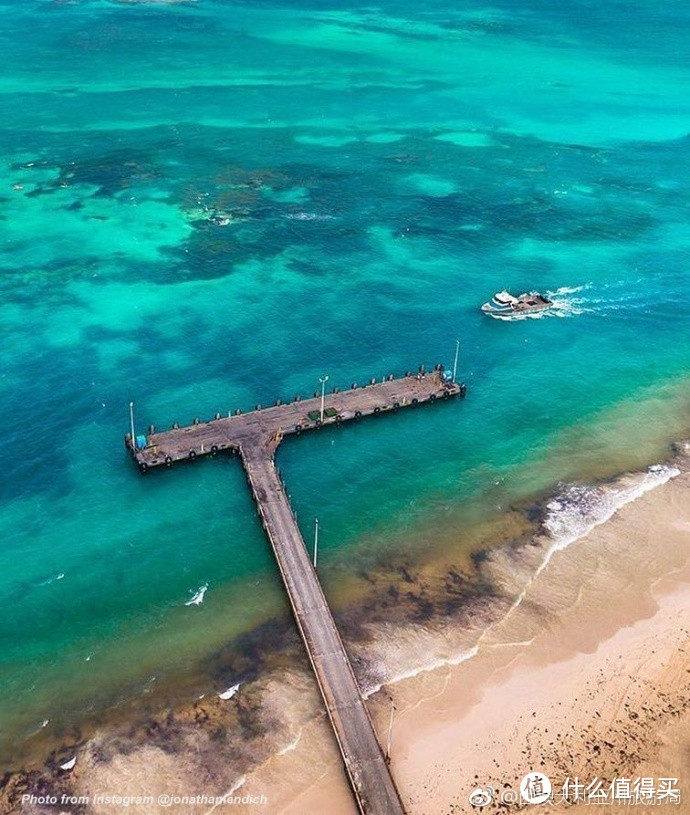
[
  {"x": 366, "y": 766},
  {"x": 231, "y": 431},
  {"x": 255, "y": 437}
]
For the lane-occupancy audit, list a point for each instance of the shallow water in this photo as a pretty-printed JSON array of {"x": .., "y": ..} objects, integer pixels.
[{"x": 385, "y": 171}]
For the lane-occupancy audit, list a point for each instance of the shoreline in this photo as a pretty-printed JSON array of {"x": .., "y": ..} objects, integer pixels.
[
  {"x": 606, "y": 675},
  {"x": 594, "y": 692},
  {"x": 263, "y": 738}
]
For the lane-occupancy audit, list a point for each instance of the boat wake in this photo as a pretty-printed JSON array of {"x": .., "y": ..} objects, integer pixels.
[
  {"x": 601, "y": 301},
  {"x": 628, "y": 296}
]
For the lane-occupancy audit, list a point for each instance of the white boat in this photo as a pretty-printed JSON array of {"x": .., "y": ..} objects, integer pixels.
[{"x": 504, "y": 303}]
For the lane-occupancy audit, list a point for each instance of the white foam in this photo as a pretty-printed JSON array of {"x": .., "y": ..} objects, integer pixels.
[
  {"x": 198, "y": 598},
  {"x": 580, "y": 508},
  {"x": 308, "y": 216},
  {"x": 233, "y": 789},
  {"x": 50, "y": 580},
  {"x": 562, "y": 307},
  {"x": 616, "y": 296},
  {"x": 457, "y": 659},
  {"x": 291, "y": 745},
  {"x": 239, "y": 783},
  {"x": 567, "y": 290},
  {"x": 230, "y": 692},
  {"x": 516, "y": 644}
]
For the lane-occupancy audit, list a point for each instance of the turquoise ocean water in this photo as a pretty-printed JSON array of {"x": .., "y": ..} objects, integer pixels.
[{"x": 384, "y": 169}]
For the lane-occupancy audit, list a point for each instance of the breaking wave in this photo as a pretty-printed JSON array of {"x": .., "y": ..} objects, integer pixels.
[
  {"x": 426, "y": 667},
  {"x": 579, "y": 508},
  {"x": 198, "y": 598}
]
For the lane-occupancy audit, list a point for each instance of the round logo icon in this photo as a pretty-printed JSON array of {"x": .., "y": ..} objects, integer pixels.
[
  {"x": 535, "y": 788},
  {"x": 482, "y": 797}
]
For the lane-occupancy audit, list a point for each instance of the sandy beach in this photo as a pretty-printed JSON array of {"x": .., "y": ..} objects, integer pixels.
[
  {"x": 587, "y": 677},
  {"x": 576, "y": 665}
]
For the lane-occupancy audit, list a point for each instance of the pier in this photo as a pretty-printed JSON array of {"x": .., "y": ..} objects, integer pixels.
[{"x": 255, "y": 436}]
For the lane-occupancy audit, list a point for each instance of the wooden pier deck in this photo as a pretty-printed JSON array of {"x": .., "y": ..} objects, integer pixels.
[
  {"x": 366, "y": 766},
  {"x": 231, "y": 432},
  {"x": 255, "y": 436}
]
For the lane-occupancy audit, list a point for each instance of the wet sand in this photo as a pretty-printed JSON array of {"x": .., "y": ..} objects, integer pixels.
[{"x": 572, "y": 662}]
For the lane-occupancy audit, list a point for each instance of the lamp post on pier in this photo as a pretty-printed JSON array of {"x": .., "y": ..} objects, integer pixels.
[
  {"x": 323, "y": 380},
  {"x": 390, "y": 732},
  {"x": 131, "y": 426},
  {"x": 455, "y": 364}
]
